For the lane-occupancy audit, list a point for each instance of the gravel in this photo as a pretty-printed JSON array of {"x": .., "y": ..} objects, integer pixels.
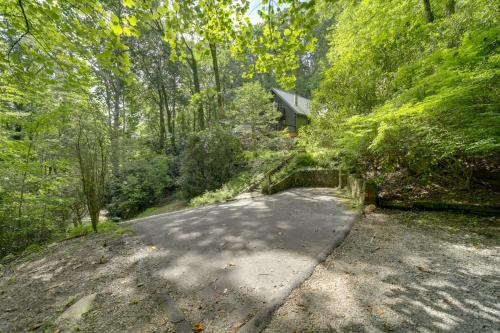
[{"x": 390, "y": 276}]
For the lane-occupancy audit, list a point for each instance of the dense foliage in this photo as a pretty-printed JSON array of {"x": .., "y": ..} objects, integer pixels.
[
  {"x": 210, "y": 158},
  {"x": 403, "y": 92},
  {"x": 253, "y": 115},
  {"x": 112, "y": 104},
  {"x": 139, "y": 185}
]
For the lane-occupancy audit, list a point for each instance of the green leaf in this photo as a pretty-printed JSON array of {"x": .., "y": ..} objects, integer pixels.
[
  {"x": 132, "y": 20},
  {"x": 128, "y": 3}
]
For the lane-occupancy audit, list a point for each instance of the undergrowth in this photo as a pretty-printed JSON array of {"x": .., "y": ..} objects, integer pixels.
[{"x": 258, "y": 164}]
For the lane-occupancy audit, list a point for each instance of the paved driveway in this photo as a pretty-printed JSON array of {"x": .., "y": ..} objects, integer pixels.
[{"x": 228, "y": 266}]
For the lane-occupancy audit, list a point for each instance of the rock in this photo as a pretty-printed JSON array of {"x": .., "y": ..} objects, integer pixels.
[
  {"x": 36, "y": 326},
  {"x": 102, "y": 260},
  {"x": 75, "y": 312},
  {"x": 424, "y": 269},
  {"x": 370, "y": 209}
]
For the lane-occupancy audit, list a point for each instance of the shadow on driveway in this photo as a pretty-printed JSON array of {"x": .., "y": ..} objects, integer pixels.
[{"x": 223, "y": 265}]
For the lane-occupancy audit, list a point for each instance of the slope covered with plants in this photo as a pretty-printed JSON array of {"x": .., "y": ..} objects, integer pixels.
[{"x": 412, "y": 89}]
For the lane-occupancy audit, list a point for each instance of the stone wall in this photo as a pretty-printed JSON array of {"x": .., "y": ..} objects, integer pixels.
[
  {"x": 366, "y": 192},
  {"x": 356, "y": 187}
]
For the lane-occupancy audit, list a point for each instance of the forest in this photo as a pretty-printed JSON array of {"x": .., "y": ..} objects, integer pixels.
[{"x": 120, "y": 105}]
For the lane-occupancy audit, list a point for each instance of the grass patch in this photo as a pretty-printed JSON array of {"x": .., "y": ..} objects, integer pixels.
[
  {"x": 32, "y": 248},
  {"x": 258, "y": 164},
  {"x": 229, "y": 190},
  {"x": 124, "y": 230},
  {"x": 102, "y": 227},
  {"x": 171, "y": 206},
  {"x": 454, "y": 223}
]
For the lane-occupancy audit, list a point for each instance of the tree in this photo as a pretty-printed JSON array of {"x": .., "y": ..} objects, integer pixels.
[
  {"x": 211, "y": 24},
  {"x": 210, "y": 158},
  {"x": 253, "y": 113},
  {"x": 398, "y": 97},
  {"x": 92, "y": 152},
  {"x": 281, "y": 40}
]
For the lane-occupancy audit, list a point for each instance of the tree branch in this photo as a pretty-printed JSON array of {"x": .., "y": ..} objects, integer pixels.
[{"x": 25, "y": 33}]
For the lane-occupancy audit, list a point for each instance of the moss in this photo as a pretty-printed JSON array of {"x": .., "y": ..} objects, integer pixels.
[
  {"x": 124, "y": 230},
  {"x": 133, "y": 302},
  {"x": 32, "y": 248}
]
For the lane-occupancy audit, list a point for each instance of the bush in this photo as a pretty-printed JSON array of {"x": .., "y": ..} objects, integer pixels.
[
  {"x": 304, "y": 160},
  {"x": 229, "y": 190},
  {"x": 209, "y": 159},
  {"x": 140, "y": 185}
]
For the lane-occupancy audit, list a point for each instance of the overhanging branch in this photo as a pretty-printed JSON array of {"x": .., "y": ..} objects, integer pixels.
[{"x": 25, "y": 33}]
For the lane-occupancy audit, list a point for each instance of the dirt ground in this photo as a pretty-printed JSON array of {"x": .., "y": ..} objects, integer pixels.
[
  {"x": 403, "y": 272},
  {"x": 396, "y": 272},
  {"x": 36, "y": 291}
]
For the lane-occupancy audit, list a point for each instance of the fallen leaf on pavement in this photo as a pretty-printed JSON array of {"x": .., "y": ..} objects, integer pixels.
[{"x": 198, "y": 327}]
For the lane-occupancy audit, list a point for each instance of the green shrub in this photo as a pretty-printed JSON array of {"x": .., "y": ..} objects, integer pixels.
[
  {"x": 32, "y": 248},
  {"x": 210, "y": 158},
  {"x": 229, "y": 190},
  {"x": 449, "y": 110},
  {"x": 304, "y": 160},
  {"x": 141, "y": 184}
]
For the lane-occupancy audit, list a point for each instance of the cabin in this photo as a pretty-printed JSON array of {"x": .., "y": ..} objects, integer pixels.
[{"x": 294, "y": 109}]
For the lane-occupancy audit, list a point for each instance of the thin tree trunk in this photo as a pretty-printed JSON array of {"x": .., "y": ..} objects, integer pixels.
[
  {"x": 162, "y": 120},
  {"x": 450, "y": 7},
  {"x": 92, "y": 161},
  {"x": 429, "y": 16},
  {"x": 169, "y": 112},
  {"x": 23, "y": 182},
  {"x": 196, "y": 84},
  {"x": 213, "y": 52},
  {"x": 174, "y": 98},
  {"x": 115, "y": 144}
]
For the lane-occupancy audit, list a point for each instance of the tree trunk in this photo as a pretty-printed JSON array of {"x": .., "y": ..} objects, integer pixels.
[
  {"x": 23, "y": 181},
  {"x": 429, "y": 17},
  {"x": 169, "y": 114},
  {"x": 196, "y": 84},
  {"x": 173, "y": 111},
  {"x": 115, "y": 133},
  {"x": 92, "y": 160},
  {"x": 213, "y": 52},
  {"x": 162, "y": 120},
  {"x": 450, "y": 7}
]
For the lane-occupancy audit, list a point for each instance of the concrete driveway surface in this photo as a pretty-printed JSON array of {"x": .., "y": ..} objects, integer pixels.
[{"x": 229, "y": 266}]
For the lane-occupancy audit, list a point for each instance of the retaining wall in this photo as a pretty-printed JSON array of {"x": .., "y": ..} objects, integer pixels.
[{"x": 356, "y": 187}]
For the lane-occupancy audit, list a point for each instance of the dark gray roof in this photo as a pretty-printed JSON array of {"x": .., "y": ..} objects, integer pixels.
[{"x": 303, "y": 104}]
